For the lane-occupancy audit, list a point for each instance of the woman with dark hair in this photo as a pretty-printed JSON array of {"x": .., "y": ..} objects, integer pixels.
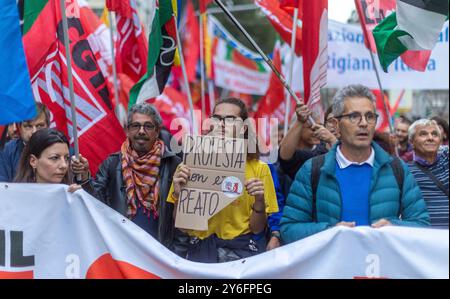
[
  {"x": 232, "y": 232},
  {"x": 45, "y": 160}
]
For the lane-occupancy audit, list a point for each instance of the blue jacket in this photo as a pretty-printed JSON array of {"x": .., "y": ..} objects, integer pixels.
[
  {"x": 296, "y": 222},
  {"x": 273, "y": 220},
  {"x": 9, "y": 159}
]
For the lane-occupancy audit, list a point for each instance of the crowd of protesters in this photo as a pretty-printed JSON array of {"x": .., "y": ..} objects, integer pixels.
[{"x": 336, "y": 171}]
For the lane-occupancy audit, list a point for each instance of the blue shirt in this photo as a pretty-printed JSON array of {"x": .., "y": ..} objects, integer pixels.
[{"x": 354, "y": 184}]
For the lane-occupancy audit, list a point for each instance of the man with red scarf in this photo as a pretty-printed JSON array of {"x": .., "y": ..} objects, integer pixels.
[{"x": 136, "y": 181}]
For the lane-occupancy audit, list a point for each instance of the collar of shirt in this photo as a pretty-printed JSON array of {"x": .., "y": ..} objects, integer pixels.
[
  {"x": 422, "y": 161},
  {"x": 343, "y": 162}
]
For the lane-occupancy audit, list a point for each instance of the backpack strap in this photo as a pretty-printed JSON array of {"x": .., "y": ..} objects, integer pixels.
[
  {"x": 317, "y": 163},
  {"x": 399, "y": 174}
]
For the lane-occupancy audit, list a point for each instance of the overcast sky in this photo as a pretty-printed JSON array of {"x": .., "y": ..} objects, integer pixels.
[{"x": 340, "y": 10}]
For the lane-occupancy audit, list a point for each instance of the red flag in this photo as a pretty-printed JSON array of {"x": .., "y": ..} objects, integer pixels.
[
  {"x": 383, "y": 118},
  {"x": 190, "y": 35},
  {"x": 121, "y": 7},
  {"x": 281, "y": 21},
  {"x": 99, "y": 131},
  {"x": 315, "y": 53},
  {"x": 371, "y": 13},
  {"x": 273, "y": 104},
  {"x": 270, "y": 104},
  {"x": 131, "y": 44},
  {"x": 171, "y": 104},
  {"x": 290, "y": 5},
  {"x": 204, "y": 5}
]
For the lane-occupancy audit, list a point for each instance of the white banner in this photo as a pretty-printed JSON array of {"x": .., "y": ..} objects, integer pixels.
[
  {"x": 349, "y": 62},
  {"x": 46, "y": 232}
]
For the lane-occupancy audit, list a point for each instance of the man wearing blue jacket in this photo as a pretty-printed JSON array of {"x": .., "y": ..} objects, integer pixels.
[
  {"x": 356, "y": 183},
  {"x": 10, "y": 154}
]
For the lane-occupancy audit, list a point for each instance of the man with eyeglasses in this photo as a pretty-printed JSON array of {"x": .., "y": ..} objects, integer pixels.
[
  {"x": 305, "y": 140},
  {"x": 10, "y": 154},
  {"x": 135, "y": 181},
  {"x": 356, "y": 183}
]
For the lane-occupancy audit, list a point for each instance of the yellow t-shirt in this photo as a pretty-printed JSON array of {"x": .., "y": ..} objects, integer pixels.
[{"x": 234, "y": 220}]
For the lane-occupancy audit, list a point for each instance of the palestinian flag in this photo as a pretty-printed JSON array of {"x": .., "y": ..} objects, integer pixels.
[
  {"x": 415, "y": 25},
  {"x": 161, "y": 53}
]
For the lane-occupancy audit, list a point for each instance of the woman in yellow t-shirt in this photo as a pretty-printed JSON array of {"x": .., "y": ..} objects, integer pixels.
[{"x": 230, "y": 234}]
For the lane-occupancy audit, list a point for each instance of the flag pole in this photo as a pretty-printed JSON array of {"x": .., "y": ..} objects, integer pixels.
[
  {"x": 264, "y": 56},
  {"x": 388, "y": 113},
  {"x": 70, "y": 79},
  {"x": 202, "y": 65},
  {"x": 114, "y": 67},
  {"x": 291, "y": 70},
  {"x": 186, "y": 82}
]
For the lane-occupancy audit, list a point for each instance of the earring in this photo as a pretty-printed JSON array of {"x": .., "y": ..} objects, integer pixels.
[{"x": 34, "y": 174}]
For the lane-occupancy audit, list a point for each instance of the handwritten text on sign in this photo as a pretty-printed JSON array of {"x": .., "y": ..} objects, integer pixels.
[{"x": 217, "y": 178}]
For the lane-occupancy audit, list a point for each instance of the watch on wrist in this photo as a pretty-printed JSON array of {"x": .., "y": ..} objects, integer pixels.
[{"x": 276, "y": 234}]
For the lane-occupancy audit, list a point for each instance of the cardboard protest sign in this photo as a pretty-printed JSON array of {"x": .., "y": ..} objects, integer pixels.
[{"x": 217, "y": 178}]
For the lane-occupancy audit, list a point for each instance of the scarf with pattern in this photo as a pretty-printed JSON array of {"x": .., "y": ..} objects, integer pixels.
[{"x": 141, "y": 176}]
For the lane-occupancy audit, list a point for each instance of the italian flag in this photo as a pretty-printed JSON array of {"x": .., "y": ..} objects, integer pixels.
[
  {"x": 161, "y": 54},
  {"x": 415, "y": 25}
]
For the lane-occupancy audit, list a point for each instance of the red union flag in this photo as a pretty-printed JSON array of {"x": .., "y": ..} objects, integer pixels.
[
  {"x": 315, "y": 51},
  {"x": 371, "y": 13},
  {"x": 290, "y": 5},
  {"x": 282, "y": 21},
  {"x": 131, "y": 45},
  {"x": 383, "y": 117},
  {"x": 99, "y": 131}
]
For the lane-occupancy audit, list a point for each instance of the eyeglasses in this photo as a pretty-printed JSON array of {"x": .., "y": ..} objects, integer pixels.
[
  {"x": 226, "y": 118},
  {"x": 136, "y": 127},
  {"x": 356, "y": 117}
]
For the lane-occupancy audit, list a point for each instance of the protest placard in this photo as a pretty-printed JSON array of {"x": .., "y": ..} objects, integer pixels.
[{"x": 217, "y": 176}]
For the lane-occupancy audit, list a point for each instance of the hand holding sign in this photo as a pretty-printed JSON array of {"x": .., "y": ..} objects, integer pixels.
[
  {"x": 255, "y": 188},
  {"x": 211, "y": 178},
  {"x": 180, "y": 179}
]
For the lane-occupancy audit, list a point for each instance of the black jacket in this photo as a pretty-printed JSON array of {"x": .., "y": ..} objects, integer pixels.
[{"x": 109, "y": 187}]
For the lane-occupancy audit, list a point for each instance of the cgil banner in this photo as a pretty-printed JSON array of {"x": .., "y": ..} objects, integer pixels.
[{"x": 46, "y": 232}]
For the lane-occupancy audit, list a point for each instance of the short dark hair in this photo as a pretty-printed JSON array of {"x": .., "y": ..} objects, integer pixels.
[
  {"x": 41, "y": 109},
  {"x": 146, "y": 109},
  {"x": 327, "y": 113},
  {"x": 405, "y": 120},
  {"x": 39, "y": 141}
]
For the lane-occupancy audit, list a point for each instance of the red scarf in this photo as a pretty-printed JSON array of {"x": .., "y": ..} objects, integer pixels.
[{"x": 141, "y": 176}]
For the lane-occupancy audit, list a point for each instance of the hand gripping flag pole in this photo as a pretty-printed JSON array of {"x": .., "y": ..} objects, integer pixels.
[{"x": 264, "y": 56}]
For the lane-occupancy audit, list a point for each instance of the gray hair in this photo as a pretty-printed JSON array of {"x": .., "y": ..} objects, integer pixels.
[
  {"x": 422, "y": 122},
  {"x": 146, "y": 109},
  {"x": 350, "y": 91}
]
